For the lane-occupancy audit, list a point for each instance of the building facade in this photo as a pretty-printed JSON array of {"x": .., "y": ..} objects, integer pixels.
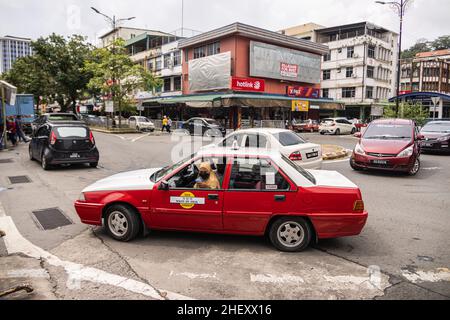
[
  {"x": 124, "y": 33},
  {"x": 360, "y": 68},
  {"x": 11, "y": 49}
]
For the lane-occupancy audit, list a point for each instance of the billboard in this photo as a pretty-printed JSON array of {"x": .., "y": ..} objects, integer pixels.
[
  {"x": 274, "y": 62},
  {"x": 303, "y": 92},
  {"x": 247, "y": 84},
  {"x": 210, "y": 73}
]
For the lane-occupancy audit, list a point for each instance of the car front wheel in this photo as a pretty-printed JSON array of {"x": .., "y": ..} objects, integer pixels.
[
  {"x": 122, "y": 223},
  {"x": 290, "y": 234},
  {"x": 415, "y": 168}
]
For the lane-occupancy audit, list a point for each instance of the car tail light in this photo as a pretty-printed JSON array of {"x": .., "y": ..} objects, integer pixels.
[
  {"x": 295, "y": 156},
  {"x": 358, "y": 206},
  {"x": 91, "y": 138},
  {"x": 52, "y": 138}
]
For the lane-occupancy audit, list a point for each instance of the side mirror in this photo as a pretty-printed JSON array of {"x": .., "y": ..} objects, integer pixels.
[
  {"x": 164, "y": 186},
  {"x": 420, "y": 137},
  {"x": 357, "y": 135}
]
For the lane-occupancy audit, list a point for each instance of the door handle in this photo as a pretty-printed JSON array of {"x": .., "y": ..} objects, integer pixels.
[
  {"x": 280, "y": 198},
  {"x": 213, "y": 196}
]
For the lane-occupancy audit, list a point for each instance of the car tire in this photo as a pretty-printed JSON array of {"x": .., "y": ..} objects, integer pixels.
[
  {"x": 122, "y": 223},
  {"x": 290, "y": 234},
  {"x": 30, "y": 153},
  {"x": 337, "y": 132},
  {"x": 93, "y": 164},
  {"x": 415, "y": 168},
  {"x": 44, "y": 163},
  {"x": 322, "y": 133},
  {"x": 138, "y": 129},
  {"x": 353, "y": 131}
]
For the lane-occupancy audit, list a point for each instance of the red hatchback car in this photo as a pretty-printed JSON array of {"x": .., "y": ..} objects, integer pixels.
[
  {"x": 388, "y": 144},
  {"x": 252, "y": 192}
]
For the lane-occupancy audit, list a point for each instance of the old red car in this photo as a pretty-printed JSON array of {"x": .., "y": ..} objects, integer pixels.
[
  {"x": 306, "y": 126},
  {"x": 257, "y": 193}
]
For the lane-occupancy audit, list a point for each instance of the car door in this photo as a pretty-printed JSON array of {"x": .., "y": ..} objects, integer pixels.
[
  {"x": 256, "y": 190},
  {"x": 41, "y": 141},
  {"x": 255, "y": 140},
  {"x": 184, "y": 207}
]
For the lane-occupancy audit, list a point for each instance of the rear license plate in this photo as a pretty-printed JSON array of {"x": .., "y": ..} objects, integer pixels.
[
  {"x": 312, "y": 155},
  {"x": 74, "y": 155},
  {"x": 379, "y": 161}
]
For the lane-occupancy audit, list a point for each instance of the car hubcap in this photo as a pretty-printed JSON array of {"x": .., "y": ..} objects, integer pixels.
[
  {"x": 118, "y": 224},
  {"x": 415, "y": 169},
  {"x": 290, "y": 234}
]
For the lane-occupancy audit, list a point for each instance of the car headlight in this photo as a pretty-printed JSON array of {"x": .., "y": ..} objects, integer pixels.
[
  {"x": 81, "y": 197},
  {"x": 407, "y": 152},
  {"x": 442, "y": 139},
  {"x": 359, "y": 150}
]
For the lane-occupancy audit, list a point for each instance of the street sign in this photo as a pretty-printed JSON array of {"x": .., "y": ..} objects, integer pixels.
[
  {"x": 109, "y": 106},
  {"x": 435, "y": 100},
  {"x": 140, "y": 108}
]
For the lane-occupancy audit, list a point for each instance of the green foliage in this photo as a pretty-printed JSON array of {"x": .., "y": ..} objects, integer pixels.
[
  {"x": 406, "y": 110},
  {"x": 423, "y": 45},
  {"x": 440, "y": 43}
]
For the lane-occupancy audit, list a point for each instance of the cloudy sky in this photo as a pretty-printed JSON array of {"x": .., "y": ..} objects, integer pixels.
[{"x": 30, "y": 18}]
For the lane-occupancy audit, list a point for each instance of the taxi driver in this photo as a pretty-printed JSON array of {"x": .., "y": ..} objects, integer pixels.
[{"x": 207, "y": 178}]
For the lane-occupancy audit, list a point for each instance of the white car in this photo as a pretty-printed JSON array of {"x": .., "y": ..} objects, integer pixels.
[
  {"x": 337, "y": 126},
  {"x": 141, "y": 124},
  {"x": 307, "y": 155}
]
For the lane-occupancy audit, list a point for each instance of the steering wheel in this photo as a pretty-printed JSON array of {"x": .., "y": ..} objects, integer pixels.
[{"x": 188, "y": 177}]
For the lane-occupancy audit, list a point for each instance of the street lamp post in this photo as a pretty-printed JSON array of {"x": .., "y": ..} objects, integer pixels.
[
  {"x": 400, "y": 8},
  {"x": 114, "y": 23}
]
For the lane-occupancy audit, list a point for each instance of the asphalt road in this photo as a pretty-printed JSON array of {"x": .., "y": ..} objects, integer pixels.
[{"x": 406, "y": 237}]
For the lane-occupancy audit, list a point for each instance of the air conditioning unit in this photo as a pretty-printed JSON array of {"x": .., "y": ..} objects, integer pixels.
[
  {"x": 355, "y": 56},
  {"x": 354, "y": 75}
]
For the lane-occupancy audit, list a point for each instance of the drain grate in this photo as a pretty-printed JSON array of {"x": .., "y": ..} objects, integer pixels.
[
  {"x": 19, "y": 179},
  {"x": 53, "y": 218},
  {"x": 6, "y": 160}
]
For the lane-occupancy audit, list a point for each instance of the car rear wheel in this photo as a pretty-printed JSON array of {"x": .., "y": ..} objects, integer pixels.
[
  {"x": 290, "y": 234},
  {"x": 353, "y": 131},
  {"x": 122, "y": 223},
  {"x": 415, "y": 168},
  {"x": 44, "y": 162},
  {"x": 30, "y": 153},
  {"x": 337, "y": 132}
]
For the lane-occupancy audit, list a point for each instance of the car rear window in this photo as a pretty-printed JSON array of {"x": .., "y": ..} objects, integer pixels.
[
  {"x": 63, "y": 117},
  {"x": 438, "y": 127},
  {"x": 288, "y": 138},
  {"x": 72, "y": 132}
]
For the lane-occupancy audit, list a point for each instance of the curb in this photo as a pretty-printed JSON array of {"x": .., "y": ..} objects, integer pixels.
[{"x": 337, "y": 153}]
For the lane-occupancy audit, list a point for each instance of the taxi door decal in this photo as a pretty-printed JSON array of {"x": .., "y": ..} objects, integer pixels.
[{"x": 187, "y": 200}]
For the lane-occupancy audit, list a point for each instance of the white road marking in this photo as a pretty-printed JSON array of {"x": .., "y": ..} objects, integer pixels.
[
  {"x": 194, "y": 275},
  {"x": 26, "y": 273},
  {"x": 270, "y": 278},
  {"x": 441, "y": 274},
  {"x": 432, "y": 168},
  {"x": 16, "y": 243},
  {"x": 139, "y": 138}
]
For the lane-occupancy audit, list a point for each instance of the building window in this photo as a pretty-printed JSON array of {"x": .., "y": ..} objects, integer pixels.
[
  {"x": 370, "y": 72},
  {"x": 350, "y": 52},
  {"x": 325, "y": 93},
  {"x": 327, "y": 56},
  {"x": 369, "y": 92},
  {"x": 167, "y": 85},
  {"x": 213, "y": 48},
  {"x": 150, "y": 65},
  {"x": 158, "y": 64},
  {"x": 186, "y": 55},
  {"x": 167, "y": 61},
  {"x": 349, "y": 72},
  {"x": 177, "y": 84},
  {"x": 348, "y": 92},
  {"x": 371, "y": 52},
  {"x": 199, "y": 52},
  {"x": 326, "y": 74},
  {"x": 177, "y": 58}
]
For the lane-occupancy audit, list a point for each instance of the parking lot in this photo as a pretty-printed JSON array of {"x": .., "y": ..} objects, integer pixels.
[{"x": 404, "y": 245}]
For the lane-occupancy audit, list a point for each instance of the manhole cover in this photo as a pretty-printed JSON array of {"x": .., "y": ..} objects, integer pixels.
[
  {"x": 49, "y": 219},
  {"x": 19, "y": 179},
  {"x": 6, "y": 160}
]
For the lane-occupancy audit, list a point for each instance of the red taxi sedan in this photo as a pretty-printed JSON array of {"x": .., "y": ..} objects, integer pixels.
[{"x": 255, "y": 193}]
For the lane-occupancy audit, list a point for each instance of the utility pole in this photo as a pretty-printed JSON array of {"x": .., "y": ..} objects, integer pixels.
[
  {"x": 114, "y": 23},
  {"x": 400, "y": 8}
]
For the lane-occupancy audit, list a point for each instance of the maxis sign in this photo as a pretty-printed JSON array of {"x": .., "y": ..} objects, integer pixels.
[
  {"x": 303, "y": 92},
  {"x": 248, "y": 84}
]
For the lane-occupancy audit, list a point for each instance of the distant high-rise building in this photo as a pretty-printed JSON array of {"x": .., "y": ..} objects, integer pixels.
[{"x": 11, "y": 49}]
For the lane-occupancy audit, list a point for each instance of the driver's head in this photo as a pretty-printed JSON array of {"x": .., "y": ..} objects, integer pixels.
[{"x": 205, "y": 170}]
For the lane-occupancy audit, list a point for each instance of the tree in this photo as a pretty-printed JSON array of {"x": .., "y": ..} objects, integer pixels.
[
  {"x": 116, "y": 76},
  {"x": 407, "y": 110},
  {"x": 422, "y": 45},
  {"x": 62, "y": 60},
  {"x": 441, "y": 43}
]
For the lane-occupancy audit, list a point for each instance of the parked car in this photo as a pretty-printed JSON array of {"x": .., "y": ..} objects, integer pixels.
[
  {"x": 336, "y": 126},
  {"x": 53, "y": 117},
  {"x": 57, "y": 143},
  {"x": 306, "y": 126},
  {"x": 388, "y": 144},
  {"x": 303, "y": 153},
  {"x": 259, "y": 193},
  {"x": 436, "y": 136},
  {"x": 204, "y": 126},
  {"x": 359, "y": 124},
  {"x": 89, "y": 119},
  {"x": 141, "y": 124}
]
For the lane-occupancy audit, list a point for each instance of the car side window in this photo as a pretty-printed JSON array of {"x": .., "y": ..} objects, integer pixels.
[
  {"x": 228, "y": 142},
  {"x": 43, "y": 132},
  {"x": 255, "y": 141},
  {"x": 256, "y": 175}
]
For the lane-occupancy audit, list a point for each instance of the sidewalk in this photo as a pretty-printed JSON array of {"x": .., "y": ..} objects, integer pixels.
[{"x": 334, "y": 152}]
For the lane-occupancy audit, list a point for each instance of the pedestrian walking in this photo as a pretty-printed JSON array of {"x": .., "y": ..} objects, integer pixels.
[
  {"x": 20, "y": 134},
  {"x": 169, "y": 125},
  {"x": 12, "y": 131},
  {"x": 165, "y": 123}
]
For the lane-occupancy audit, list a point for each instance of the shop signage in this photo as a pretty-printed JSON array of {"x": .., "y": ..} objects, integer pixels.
[
  {"x": 288, "y": 70},
  {"x": 248, "y": 84},
  {"x": 303, "y": 92},
  {"x": 300, "y": 105}
]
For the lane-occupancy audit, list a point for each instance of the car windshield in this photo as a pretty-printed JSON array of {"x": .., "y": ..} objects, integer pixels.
[
  {"x": 158, "y": 175},
  {"x": 72, "y": 132},
  {"x": 299, "y": 169},
  {"x": 327, "y": 120},
  {"x": 143, "y": 119},
  {"x": 288, "y": 138},
  {"x": 438, "y": 127},
  {"x": 388, "y": 131},
  {"x": 212, "y": 121}
]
